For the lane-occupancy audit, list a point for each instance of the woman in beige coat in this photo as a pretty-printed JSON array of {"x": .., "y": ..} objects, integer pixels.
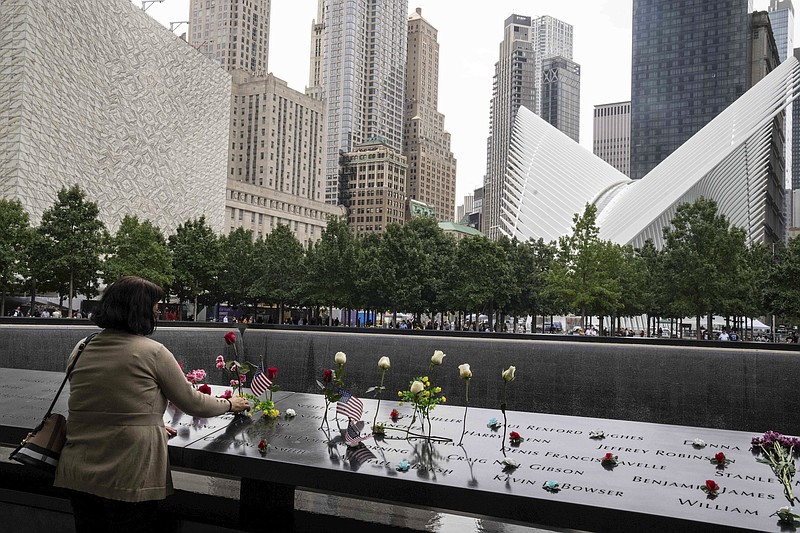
[{"x": 115, "y": 461}]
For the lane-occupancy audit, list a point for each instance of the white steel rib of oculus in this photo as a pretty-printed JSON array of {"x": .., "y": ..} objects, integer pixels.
[{"x": 550, "y": 178}]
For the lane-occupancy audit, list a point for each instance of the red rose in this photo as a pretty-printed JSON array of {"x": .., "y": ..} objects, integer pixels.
[
  {"x": 327, "y": 376},
  {"x": 711, "y": 485},
  {"x": 230, "y": 338},
  {"x": 262, "y": 446},
  {"x": 272, "y": 372},
  {"x": 720, "y": 457},
  {"x": 513, "y": 435},
  {"x": 394, "y": 414},
  {"x": 609, "y": 456},
  {"x": 204, "y": 388}
]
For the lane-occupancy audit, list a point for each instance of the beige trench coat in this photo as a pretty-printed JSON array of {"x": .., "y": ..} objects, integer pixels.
[{"x": 116, "y": 443}]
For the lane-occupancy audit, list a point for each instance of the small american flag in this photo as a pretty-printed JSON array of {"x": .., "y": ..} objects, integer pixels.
[
  {"x": 349, "y": 406},
  {"x": 260, "y": 382},
  {"x": 353, "y": 436}
]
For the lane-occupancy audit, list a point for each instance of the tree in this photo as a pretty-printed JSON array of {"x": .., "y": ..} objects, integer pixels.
[
  {"x": 73, "y": 239},
  {"x": 139, "y": 249},
  {"x": 482, "y": 274},
  {"x": 415, "y": 258},
  {"x": 371, "y": 274},
  {"x": 14, "y": 238},
  {"x": 330, "y": 278},
  {"x": 239, "y": 267},
  {"x": 583, "y": 274},
  {"x": 786, "y": 295},
  {"x": 702, "y": 260},
  {"x": 281, "y": 277},
  {"x": 196, "y": 259},
  {"x": 654, "y": 293}
]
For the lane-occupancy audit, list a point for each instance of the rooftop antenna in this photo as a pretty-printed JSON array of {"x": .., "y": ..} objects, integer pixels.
[{"x": 148, "y": 3}]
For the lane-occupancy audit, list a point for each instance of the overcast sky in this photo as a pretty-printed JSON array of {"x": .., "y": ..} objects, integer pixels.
[{"x": 468, "y": 43}]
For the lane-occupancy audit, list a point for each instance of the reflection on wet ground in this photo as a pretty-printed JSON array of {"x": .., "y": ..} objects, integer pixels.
[{"x": 394, "y": 515}]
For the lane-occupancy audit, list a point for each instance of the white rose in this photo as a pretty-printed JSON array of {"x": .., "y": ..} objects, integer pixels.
[
  {"x": 290, "y": 413},
  {"x": 700, "y": 443},
  {"x": 417, "y": 387},
  {"x": 340, "y": 358},
  {"x": 508, "y": 375},
  {"x": 383, "y": 363},
  {"x": 464, "y": 371},
  {"x": 438, "y": 355}
]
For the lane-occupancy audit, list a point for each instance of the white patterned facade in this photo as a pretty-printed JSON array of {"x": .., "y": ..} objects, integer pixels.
[
  {"x": 550, "y": 177},
  {"x": 100, "y": 95}
]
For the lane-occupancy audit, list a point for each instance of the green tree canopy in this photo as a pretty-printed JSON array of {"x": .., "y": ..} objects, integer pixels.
[
  {"x": 281, "y": 275},
  {"x": 73, "y": 239},
  {"x": 139, "y": 249},
  {"x": 197, "y": 259},
  {"x": 15, "y": 237},
  {"x": 702, "y": 260}
]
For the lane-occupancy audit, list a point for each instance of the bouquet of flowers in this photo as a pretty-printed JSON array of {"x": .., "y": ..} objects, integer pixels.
[
  {"x": 266, "y": 407},
  {"x": 424, "y": 396},
  {"x": 778, "y": 452},
  {"x": 196, "y": 376},
  {"x": 237, "y": 369}
]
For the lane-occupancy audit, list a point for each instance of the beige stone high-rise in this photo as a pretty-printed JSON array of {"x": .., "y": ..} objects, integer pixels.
[
  {"x": 276, "y": 154},
  {"x": 431, "y": 166},
  {"x": 276, "y": 142},
  {"x": 611, "y": 141},
  {"x": 233, "y": 33}
]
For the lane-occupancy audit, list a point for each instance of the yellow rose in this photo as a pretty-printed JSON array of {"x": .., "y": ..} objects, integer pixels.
[
  {"x": 400, "y": 394},
  {"x": 427, "y": 393},
  {"x": 444, "y": 399},
  {"x": 425, "y": 378},
  {"x": 437, "y": 390}
]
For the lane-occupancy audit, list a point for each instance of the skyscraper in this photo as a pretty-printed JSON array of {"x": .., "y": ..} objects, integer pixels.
[
  {"x": 275, "y": 171},
  {"x": 361, "y": 54},
  {"x": 232, "y": 33},
  {"x": 560, "y": 101},
  {"x": 781, "y": 17},
  {"x": 690, "y": 61},
  {"x": 431, "y": 174},
  {"x": 611, "y": 141},
  {"x": 518, "y": 81}
]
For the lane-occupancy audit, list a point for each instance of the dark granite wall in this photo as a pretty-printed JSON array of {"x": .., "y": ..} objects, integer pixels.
[{"x": 749, "y": 387}]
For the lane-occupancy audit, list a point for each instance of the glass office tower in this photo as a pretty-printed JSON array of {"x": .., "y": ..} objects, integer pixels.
[{"x": 690, "y": 61}]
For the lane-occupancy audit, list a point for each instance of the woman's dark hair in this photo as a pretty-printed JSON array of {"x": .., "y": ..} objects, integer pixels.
[{"x": 127, "y": 304}]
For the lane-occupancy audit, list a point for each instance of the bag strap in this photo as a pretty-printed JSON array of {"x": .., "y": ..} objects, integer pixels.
[{"x": 69, "y": 371}]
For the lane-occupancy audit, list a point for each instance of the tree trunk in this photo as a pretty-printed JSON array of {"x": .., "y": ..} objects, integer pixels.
[
  {"x": 71, "y": 288},
  {"x": 194, "y": 313},
  {"x": 3, "y": 304}
]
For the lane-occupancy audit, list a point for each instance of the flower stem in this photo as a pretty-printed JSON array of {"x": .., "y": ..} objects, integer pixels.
[
  {"x": 380, "y": 392},
  {"x": 503, "y": 442},
  {"x": 464, "y": 428}
]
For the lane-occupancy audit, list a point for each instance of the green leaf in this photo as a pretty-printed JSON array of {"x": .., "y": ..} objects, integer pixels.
[{"x": 275, "y": 388}]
